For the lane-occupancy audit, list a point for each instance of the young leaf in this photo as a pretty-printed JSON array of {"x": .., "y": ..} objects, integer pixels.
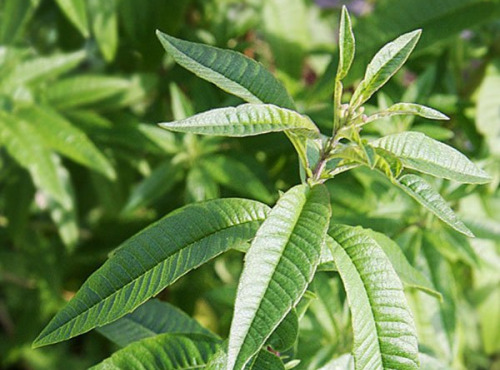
[
  {"x": 408, "y": 108},
  {"x": 426, "y": 155},
  {"x": 425, "y": 194},
  {"x": 384, "y": 65},
  {"x": 244, "y": 120},
  {"x": 152, "y": 259},
  {"x": 77, "y": 14},
  {"x": 159, "y": 182},
  {"x": 148, "y": 320},
  {"x": 346, "y": 45},
  {"x": 165, "y": 351},
  {"x": 232, "y": 72},
  {"x": 278, "y": 267},
  {"x": 62, "y": 136},
  {"x": 384, "y": 331}
]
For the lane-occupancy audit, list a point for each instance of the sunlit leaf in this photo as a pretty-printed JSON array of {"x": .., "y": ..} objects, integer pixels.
[
  {"x": 384, "y": 331},
  {"x": 346, "y": 45},
  {"x": 426, "y": 155},
  {"x": 76, "y": 12},
  {"x": 278, "y": 266},
  {"x": 152, "y": 259}
]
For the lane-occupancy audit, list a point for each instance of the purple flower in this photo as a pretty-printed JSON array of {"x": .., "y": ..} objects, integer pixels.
[{"x": 358, "y": 7}]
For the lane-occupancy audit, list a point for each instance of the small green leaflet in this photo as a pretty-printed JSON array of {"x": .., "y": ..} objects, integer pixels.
[
  {"x": 244, "y": 120},
  {"x": 384, "y": 65},
  {"x": 421, "y": 153},
  {"x": 346, "y": 45}
]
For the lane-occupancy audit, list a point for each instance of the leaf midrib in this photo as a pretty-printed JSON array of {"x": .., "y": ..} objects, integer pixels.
[{"x": 138, "y": 277}]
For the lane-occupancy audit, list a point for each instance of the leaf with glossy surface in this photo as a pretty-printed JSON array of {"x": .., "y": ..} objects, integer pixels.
[
  {"x": 423, "y": 193},
  {"x": 346, "y": 45},
  {"x": 62, "y": 136},
  {"x": 76, "y": 12},
  {"x": 278, "y": 267},
  {"x": 384, "y": 65},
  {"x": 152, "y": 259},
  {"x": 165, "y": 351},
  {"x": 232, "y": 72},
  {"x": 384, "y": 331},
  {"x": 421, "y": 153},
  {"x": 244, "y": 120},
  {"x": 148, "y": 320}
]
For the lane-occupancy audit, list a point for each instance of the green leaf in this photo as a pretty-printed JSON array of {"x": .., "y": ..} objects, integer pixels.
[
  {"x": 244, "y": 120},
  {"x": 77, "y": 14},
  {"x": 484, "y": 228},
  {"x": 62, "y": 136},
  {"x": 285, "y": 335},
  {"x": 24, "y": 144},
  {"x": 165, "y": 351},
  {"x": 264, "y": 360},
  {"x": 408, "y": 274},
  {"x": 384, "y": 331},
  {"x": 236, "y": 175},
  {"x": 278, "y": 267},
  {"x": 84, "y": 90},
  {"x": 426, "y": 155},
  {"x": 232, "y": 72},
  {"x": 152, "y": 259},
  {"x": 15, "y": 15},
  {"x": 346, "y": 45},
  {"x": 104, "y": 21},
  {"x": 153, "y": 187},
  {"x": 148, "y": 320},
  {"x": 423, "y": 193},
  {"x": 200, "y": 185},
  {"x": 41, "y": 69},
  {"x": 384, "y": 65},
  {"x": 405, "y": 109},
  {"x": 488, "y": 108}
]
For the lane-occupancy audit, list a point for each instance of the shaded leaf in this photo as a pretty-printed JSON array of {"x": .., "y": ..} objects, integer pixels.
[
  {"x": 104, "y": 22},
  {"x": 165, "y": 351},
  {"x": 76, "y": 12},
  {"x": 148, "y": 320}
]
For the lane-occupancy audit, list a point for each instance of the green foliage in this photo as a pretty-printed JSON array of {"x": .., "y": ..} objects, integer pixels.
[{"x": 361, "y": 254}]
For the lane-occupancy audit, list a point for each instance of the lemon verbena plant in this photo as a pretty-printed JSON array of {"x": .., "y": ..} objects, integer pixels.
[{"x": 284, "y": 245}]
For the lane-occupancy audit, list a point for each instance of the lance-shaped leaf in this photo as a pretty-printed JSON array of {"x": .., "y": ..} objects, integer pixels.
[
  {"x": 278, "y": 267},
  {"x": 150, "y": 319},
  {"x": 77, "y": 14},
  {"x": 152, "y": 259},
  {"x": 384, "y": 65},
  {"x": 165, "y": 351},
  {"x": 24, "y": 144},
  {"x": 427, "y": 155},
  {"x": 244, "y": 120},
  {"x": 70, "y": 141},
  {"x": 346, "y": 45},
  {"x": 264, "y": 360},
  {"x": 231, "y": 71},
  {"x": 425, "y": 194},
  {"x": 408, "y": 109},
  {"x": 383, "y": 327},
  {"x": 104, "y": 21}
]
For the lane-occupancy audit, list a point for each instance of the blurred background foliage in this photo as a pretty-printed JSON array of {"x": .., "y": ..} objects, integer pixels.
[{"x": 83, "y": 166}]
